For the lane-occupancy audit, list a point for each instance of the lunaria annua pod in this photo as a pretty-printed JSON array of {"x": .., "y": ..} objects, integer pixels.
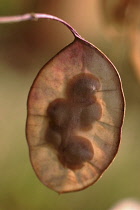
[{"x": 75, "y": 116}]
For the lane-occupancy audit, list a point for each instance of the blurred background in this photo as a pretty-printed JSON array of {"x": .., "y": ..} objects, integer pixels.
[{"x": 114, "y": 27}]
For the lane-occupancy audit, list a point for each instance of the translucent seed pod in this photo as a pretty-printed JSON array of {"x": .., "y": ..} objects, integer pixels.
[{"x": 75, "y": 116}]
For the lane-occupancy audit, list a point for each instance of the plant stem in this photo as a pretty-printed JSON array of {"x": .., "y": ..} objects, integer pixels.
[{"x": 36, "y": 16}]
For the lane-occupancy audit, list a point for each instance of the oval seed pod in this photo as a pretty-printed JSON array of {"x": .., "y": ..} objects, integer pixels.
[{"x": 75, "y": 116}]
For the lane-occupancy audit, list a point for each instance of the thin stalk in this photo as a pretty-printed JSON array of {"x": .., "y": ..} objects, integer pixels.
[{"x": 36, "y": 16}]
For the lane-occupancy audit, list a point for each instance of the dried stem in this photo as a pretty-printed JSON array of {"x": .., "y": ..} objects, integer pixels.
[{"x": 36, "y": 16}]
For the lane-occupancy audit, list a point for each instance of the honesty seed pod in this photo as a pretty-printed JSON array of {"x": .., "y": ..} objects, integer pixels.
[{"x": 75, "y": 115}]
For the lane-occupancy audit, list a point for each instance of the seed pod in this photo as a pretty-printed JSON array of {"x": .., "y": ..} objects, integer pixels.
[{"x": 78, "y": 88}]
